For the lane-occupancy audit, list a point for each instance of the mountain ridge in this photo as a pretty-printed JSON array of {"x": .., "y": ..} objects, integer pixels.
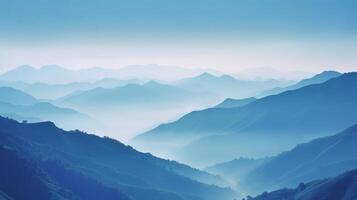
[
  {"x": 317, "y": 159},
  {"x": 303, "y": 113}
]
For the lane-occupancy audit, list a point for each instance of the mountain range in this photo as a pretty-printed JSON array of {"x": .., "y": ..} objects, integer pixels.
[
  {"x": 274, "y": 123},
  {"x": 74, "y": 164},
  {"x": 55, "y": 74}
]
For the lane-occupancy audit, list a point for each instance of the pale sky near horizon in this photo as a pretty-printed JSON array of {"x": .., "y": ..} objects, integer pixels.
[{"x": 226, "y": 35}]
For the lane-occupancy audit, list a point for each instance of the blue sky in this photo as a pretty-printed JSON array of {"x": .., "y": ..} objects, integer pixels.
[{"x": 220, "y": 34}]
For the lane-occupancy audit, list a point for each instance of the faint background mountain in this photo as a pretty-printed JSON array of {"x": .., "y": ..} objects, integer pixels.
[
  {"x": 266, "y": 73},
  {"x": 55, "y": 74}
]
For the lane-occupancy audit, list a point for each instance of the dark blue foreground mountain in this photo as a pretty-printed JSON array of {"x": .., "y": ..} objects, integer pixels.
[
  {"x": 273, "y": 123},
  {"x": 342, "y": 187},
  {"x": 22, "y": 178},
  {"x": 74, "y": 159}
]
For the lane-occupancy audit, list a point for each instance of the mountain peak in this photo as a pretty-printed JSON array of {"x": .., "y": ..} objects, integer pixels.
[
  {"x": 206, "y": 75},
  {"x": 152, "y": 83},
  {"x": 329, "y": 73},
  {"x": 24, "y": 68},
  {"x": 350, "y": 130},
  {"x": 227, "y": 77}
]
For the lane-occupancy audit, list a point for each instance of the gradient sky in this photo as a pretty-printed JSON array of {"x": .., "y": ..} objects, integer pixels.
[{"x": 228, "y": 35}]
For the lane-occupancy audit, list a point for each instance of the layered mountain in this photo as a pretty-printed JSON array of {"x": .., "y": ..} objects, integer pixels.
[
  {"x": 321, "y": 158},
  {"x": 14, "y": 96},
  {"x": 273, "y": 124},
  {"x": 342, "y": 187},
  {"x": 317, "y": 79},
  {"x": 80, "y": 162},
  {"x": 227, "y": 86},
  {"x": 134, "y": 108}
]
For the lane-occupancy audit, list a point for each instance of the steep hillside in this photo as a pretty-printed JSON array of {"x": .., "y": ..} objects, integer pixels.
[
  {"x": 342, "y": 187},
  {"x": 320, "y": 158},
  {"x": 111, "y": 163}
]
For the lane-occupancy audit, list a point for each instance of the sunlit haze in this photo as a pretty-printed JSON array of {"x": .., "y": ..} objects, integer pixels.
[{"x": 228, "y": 36}]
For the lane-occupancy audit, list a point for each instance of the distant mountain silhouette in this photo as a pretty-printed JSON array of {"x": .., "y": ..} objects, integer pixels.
[
  {"x": 273, "y": 123},
  {"x": 319, "y": 78},
  {"x": 14, "y": 96},
  {"x": 58, "y": 75},
  {"x": 342, "y": 187},
  {"x": 226, "y": 85},
  {"x": 234, "y": 103},
  {"x": 54, "y": 91},
  {"x": 263, "y": 73},
  {"x": 321, "y": 158},
  {"x": 149, "y": 94},
  {"x": 80, "y": 162}
]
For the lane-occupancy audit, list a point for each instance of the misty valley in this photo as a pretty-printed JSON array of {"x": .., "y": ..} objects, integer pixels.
[{"x": 205, "y": 135}]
